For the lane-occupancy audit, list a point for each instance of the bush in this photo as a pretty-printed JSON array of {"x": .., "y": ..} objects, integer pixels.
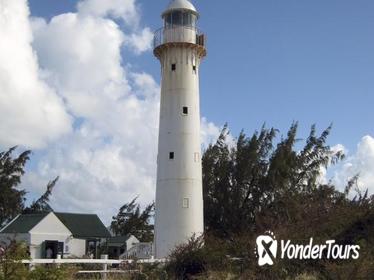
[
  {"x": 11, "y": 267},
  {"x": 51, "y": 273},
  {"x": 188, "y": 260},
  {"x": 155, "y": 271}
]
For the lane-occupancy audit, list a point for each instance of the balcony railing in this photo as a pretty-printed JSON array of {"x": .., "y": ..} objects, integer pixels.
[{"x": 179, "y": 34}]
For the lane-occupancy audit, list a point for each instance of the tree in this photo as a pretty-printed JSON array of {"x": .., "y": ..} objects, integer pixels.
[
  {"x": 41, "y": 204},
  {"x": 131, "y": 220},
  {"x": 11, "y": 170},
  {"x": 255, "y": 177},
  {"x": 12, "y": 199},
  {"x": 10, "y": 266},
  {"x": 256, "y": 185}
]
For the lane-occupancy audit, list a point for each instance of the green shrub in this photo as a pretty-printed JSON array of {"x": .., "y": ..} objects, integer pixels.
[
  {"x": 11, "y": 267},
  {"x": 51, "y": 273},
  {"x": 140, "y": 276},
  {"x": 187, "y": 260}
]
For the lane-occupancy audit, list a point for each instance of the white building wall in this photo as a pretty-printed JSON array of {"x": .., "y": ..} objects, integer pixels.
[
  {"x": 179, "y": 197},
  {"x": 50, "y": 225},
  {"x": 76, "y": 247},
  {"x": 131, "y": 242},
  {"x": 51, "y": 228}
]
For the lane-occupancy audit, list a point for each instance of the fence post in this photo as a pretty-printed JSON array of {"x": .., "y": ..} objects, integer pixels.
[
  {"x": 31, "y": 265},
  {"x": 105, "y": 266},
  {"x": 58, "y": 263}
]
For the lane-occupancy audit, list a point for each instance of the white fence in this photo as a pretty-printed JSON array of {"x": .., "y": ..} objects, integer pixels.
[{"x": 104, "y": 261}]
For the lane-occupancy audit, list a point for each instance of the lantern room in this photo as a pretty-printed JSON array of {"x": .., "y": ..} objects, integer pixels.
[{"x": 180, "y": 13}]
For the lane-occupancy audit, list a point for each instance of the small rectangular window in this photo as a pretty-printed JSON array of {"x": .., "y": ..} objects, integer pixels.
[
  {"x": 186, "y": 203},
  {"x": 197, "y": 157},
  {"x": 177, "y": 18},
  {"x": 187, "y": 18},
  {"x": 185, "y": 110},
  {"x": 173, "y": 67},
  {"x": 194, "y": 68},
  {"x": 171, "y": 155}
]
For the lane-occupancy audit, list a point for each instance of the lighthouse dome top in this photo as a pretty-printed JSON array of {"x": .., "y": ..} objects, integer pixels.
[{"x": 180, "y": 5}]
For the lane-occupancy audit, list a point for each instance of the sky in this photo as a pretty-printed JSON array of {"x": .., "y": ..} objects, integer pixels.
[{"x": 79, "y": 85}]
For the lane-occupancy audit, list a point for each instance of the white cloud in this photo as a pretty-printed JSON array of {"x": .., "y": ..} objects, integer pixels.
[
  {"x": 82, "y": 59},
  {"x": 141, "y": 41},
  {"x": 339, "y": 148},
  {"x": 110, "y": 155},
  {"x": 123, "y": 9},
  {"x": 325, "y": 172},
  {"x": 32, "y": 113},
  {"x": 209, "y": 132},
  {"x": 362, "y": 163}
]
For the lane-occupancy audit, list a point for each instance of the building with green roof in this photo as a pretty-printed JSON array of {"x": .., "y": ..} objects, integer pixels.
[{"x": 50, "y": 234}]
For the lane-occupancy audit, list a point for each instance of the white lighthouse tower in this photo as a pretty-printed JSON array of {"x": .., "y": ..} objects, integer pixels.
[{"x": 180, "y": 48}]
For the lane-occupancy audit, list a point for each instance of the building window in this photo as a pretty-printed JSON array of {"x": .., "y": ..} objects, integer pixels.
[
  {"x": 197, "y": 157},
  {"x": 185, "y": 110},
  {"x": 177, "y": 18},
  {"x": 186, "y": 203},
  {"x": 173, "y": 67},
  {"x": 171, "y": 155},
  {"x": 194, "y": 68}
]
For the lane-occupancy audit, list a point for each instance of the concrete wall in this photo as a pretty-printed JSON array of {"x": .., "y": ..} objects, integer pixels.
[
  {"x": 51, "y": 228},
  {"x": 131, "y": 242},
  {"x": 77, "y": 247},
  {"x": 179, "y": 197},
  {"x": 72, "y": 247}
]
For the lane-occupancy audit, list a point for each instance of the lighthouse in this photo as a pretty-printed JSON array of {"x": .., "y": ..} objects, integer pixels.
[{"x": 180, "y": 48}]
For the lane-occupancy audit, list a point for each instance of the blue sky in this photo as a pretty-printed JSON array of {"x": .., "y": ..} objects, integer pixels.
[
  {"x": 276, "y": 62},
  {"x": 85, "y": 79}
]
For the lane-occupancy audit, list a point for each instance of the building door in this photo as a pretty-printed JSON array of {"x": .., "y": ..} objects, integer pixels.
[
  {"x": 52, "y": 248},
  {"x": 91, "y": 248}
]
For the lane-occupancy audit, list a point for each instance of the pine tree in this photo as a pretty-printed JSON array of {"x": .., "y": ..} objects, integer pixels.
[
  {"x": 131, "y": 220},
  {"x": 41, "y": 205},
  {"x": 11, "y": 170}
]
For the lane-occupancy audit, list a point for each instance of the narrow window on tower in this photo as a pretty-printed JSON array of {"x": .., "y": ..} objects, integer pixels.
[
  {"x": 186, "y": 203},
  {"x": 197, "y": 157},
  {"x": 173, "y": 67},
  {"x": 185, "y": 110},
  {"x": 171, "y": 155},
  {"x": 194, "y": 68}
]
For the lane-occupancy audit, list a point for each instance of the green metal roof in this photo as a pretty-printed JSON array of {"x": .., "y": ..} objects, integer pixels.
[
  {"x": 24, "y": 223},
  {"x": 84, "y": 225},
  {"x": 80, "y": 225}
]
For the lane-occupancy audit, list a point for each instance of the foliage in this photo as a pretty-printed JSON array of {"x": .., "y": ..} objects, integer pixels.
[
  {"x": 12, "y": 200},
  {"x": 155, "y": 271},
  {"x": 11, "y": 171},
  {"x": 187, "y": 259},
  {"x": 250, "y": 187},
  {"x": 41, "y": 204},
  {"x": 131, "y": 220},
  {"x": 51, "y": 273},
  {"x": 255, "y": 177},
  {"x": 10, "y": 266},
  {"x": 257, "y": 185}
]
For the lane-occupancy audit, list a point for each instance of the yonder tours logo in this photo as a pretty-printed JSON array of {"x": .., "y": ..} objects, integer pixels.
[{"x": 267, "y": 250}]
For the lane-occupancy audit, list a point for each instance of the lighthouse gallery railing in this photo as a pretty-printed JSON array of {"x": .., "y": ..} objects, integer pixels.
[{"x": 179, "y": 34}]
